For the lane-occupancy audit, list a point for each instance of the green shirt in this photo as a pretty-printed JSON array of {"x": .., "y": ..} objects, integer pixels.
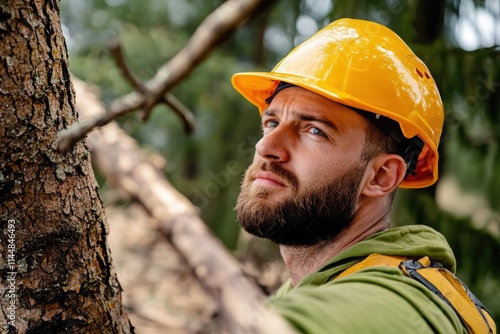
[{"x": 375, "y": 299}]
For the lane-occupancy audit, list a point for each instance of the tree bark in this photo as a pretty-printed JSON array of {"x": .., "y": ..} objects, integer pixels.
[{"x": 55, "y": 266}]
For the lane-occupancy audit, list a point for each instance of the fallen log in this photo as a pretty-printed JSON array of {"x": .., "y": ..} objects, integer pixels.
[{"x": 120, "y": 159}]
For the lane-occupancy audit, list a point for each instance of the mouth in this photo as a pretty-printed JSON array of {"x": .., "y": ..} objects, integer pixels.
[{"x": 268, "y": 179}]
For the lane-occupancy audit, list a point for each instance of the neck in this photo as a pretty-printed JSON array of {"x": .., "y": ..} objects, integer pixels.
[{"x": 303, "y": 260}]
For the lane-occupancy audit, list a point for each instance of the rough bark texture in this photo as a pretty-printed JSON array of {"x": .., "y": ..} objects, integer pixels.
[{"x": 50, "y": 210}]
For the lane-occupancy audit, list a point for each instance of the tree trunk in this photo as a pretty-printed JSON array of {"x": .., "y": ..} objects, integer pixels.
[{"x": 55, "y": 266}]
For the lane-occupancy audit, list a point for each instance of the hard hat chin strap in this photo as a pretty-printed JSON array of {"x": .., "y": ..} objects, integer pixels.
[{"x": 413, "y": 148}]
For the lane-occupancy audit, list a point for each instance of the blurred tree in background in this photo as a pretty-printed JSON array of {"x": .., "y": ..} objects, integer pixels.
[{"x": 457, "y": 39}]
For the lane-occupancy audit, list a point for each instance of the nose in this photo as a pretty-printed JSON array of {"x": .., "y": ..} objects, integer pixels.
[{"x": 274, "y": 146}]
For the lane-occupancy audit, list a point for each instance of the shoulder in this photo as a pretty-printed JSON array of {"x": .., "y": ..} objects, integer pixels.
[{"x": 375, "y": 300}]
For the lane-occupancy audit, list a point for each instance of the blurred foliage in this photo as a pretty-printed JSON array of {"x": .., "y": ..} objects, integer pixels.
[{"x": 207, "y": 166}]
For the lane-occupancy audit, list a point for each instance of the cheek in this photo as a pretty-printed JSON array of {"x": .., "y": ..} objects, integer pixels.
[
  {"x": 320, "y": 168},
  {"x": 317, "y": 172}
]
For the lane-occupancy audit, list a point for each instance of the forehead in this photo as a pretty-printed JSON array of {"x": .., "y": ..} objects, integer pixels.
[{"x": 299, "y": 100}]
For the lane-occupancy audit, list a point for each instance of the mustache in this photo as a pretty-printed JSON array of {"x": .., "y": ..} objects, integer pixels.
[{"x": 275, "y": 168}]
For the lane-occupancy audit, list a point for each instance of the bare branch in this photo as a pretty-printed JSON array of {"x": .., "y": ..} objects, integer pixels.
[
  {"x": 182, "y": 111},
  {"x": 120, "y": 159},
  {"x": 169, "y": 99},
  {"x": 216, "y": 28},
  {"x": 116, "y": 51},
  {"x": 67, "y": 138}
]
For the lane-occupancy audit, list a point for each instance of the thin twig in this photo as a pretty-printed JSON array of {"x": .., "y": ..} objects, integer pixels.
[
  {"x": 169, "y": 99},
  {"x": 216, "y": 28},
  {"x": 182, "y": 111},
  {"x": 116, "y": 51},
  {"x": 119, "y": 57}
]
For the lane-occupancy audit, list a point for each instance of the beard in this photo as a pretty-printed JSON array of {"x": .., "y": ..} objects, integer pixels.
[{"x": 304, "y": 218}]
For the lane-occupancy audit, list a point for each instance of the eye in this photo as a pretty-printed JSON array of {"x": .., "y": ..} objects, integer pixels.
[
  {"x": 269, "y": 125},
  {"x": 317, "y": 132}
]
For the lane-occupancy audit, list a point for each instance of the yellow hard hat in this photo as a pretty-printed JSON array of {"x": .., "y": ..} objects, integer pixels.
[{"x": 366, "y": 66}]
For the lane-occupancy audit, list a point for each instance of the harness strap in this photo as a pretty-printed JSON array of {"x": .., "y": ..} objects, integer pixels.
[
  {"x": 472, "y": 313},
  {"x": 372, "y": 261}
]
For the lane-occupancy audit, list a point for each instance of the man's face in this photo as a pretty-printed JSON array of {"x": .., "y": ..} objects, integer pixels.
[{"x": 303, "y": 185}]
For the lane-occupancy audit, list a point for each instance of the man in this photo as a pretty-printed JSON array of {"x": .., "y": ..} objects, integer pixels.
[{"x": 349, "y": 116}]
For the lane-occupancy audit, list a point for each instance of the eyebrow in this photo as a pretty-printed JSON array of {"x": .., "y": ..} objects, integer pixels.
[{"x": 305, "y": 117}]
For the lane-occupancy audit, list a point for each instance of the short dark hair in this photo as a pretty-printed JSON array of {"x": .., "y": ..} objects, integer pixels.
[{"x": 376, "y": 142}]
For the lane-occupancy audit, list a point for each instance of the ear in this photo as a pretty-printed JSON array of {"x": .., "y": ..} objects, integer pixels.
[{"x": 384, "y": 174}]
